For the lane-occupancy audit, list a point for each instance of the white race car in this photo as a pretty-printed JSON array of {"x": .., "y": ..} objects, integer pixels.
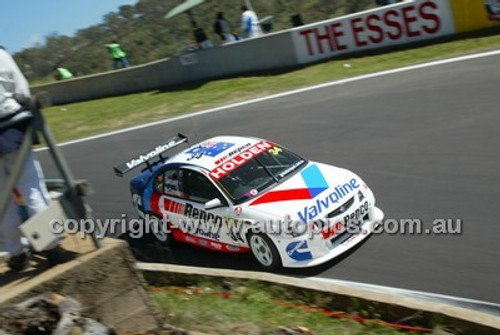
[{"x": 241, "y": 194}]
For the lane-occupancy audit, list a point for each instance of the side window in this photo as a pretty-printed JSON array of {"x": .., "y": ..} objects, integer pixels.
[
  {"x": 199, "y": 188},
  {"x": 170, "y": 182}
]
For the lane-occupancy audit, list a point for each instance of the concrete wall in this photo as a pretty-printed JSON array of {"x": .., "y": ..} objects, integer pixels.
[
  {"x": 397, "y": 24},
  {"x": 270, "y": 52}
]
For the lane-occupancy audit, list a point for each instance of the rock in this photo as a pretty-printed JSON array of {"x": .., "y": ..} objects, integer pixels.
[
  {"x": 227, "y": 285},
  {"x": 292, "y": 331},
  {"x": 241, "y": 291},
  {"x": 246, "y": 328},
  {"x": 303, "y": 330},
  {"x": 49, "y": 314}
]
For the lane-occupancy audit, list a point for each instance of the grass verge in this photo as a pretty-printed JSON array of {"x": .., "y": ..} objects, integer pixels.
[
  {"x": 82, "y": 119},
  {"x": 255, "y": 308}
]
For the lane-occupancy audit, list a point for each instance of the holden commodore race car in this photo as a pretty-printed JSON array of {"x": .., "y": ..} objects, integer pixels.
[{"x": 240, "y": 194}]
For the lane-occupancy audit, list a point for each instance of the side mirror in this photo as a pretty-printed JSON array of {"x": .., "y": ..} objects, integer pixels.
[{"x": 214, "y": 203}]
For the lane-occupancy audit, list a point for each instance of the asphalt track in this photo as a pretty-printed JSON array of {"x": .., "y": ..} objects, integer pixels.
[{"x": 426, "y": 141}]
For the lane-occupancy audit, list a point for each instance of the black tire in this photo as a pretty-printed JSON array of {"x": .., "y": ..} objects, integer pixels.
[
  {"x": 264, "y": 251},
  {"x": 160, "y": 235},
  {"x": 154, "y": 234},
  {"x": 149, "y": 247}
]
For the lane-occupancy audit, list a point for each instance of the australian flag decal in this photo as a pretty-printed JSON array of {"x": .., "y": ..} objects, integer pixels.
[{"x": 211, "y": 149}]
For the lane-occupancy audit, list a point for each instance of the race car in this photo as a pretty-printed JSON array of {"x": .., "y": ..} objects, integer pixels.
[{"x": 241, "y": 194}]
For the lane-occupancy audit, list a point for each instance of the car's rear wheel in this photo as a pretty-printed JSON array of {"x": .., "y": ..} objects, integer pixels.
[
  {"x": 264, "y": 251},
  {"x": 160, "y": 231},
  {"x": 153, "y": 244}
]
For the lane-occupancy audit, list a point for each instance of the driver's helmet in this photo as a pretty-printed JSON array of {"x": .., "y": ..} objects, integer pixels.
[{"x": 172, "y": 184}]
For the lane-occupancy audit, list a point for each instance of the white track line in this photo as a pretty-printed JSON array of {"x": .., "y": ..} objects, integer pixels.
[{"x": 284, "y": 94}]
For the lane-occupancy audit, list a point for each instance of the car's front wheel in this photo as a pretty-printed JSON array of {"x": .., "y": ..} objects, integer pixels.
[{"x": 264, "y": 251}]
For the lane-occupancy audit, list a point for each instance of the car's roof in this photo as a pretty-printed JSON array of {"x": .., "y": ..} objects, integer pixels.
[{"x": 214, "y": 151}]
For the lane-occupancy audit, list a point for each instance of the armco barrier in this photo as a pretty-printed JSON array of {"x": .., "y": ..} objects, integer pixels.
[{"x": 405, "y": 22}]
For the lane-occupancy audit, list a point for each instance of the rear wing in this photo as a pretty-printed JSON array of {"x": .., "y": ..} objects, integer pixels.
[{"x": 146, "y": 158}]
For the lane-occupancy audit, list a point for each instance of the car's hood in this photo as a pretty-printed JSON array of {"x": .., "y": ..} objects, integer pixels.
[{"x": 310, "y": 194}]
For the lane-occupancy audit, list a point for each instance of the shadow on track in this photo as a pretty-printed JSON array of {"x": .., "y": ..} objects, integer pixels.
[{"x": 149, "y": 250}]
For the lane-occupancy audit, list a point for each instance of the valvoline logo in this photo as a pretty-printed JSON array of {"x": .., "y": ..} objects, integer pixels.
[
  {"x": 315, "y": 185},
  {"x": 299, "y": 251},
  {"x": 309, "y": 213}
]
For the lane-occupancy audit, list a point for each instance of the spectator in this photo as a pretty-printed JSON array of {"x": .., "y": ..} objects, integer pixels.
[
  {"x": 237, "y": 37},
  {"x": 223, "y": 29},
  {"x": 118, "y": 55},
  {"x": 200, "y": 37},
  {"x": 30, "y": 187},
  {"x": 250, "y": 22},
  {"x": 63, "y": 74}
]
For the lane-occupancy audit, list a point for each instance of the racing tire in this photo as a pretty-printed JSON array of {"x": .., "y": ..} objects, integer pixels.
[
  {"x": 159, "y": 234},
  {"x": 264, "y": 251}
]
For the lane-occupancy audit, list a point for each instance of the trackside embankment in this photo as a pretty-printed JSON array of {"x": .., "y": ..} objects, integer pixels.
[{"x": 408, "y": 22}]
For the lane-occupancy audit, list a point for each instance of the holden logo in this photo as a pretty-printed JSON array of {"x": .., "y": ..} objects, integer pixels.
[
  {"x": 361, "y": 196},
  {"x": 342, "y": 209},
  {"x": 493, "y": 9}
]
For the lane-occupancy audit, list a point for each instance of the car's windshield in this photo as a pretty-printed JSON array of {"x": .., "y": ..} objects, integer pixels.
[{"x": 259, "y": 173}]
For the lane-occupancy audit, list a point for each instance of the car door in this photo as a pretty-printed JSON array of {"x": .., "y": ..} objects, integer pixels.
[
  {"x": 214, "y": 228},
  {"x": 179, "y": 196}
]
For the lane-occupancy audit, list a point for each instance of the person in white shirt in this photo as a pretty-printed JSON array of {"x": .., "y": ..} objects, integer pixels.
[
  {"x": 30, "y": 187},
  {"x": 250, "y": 22}
]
